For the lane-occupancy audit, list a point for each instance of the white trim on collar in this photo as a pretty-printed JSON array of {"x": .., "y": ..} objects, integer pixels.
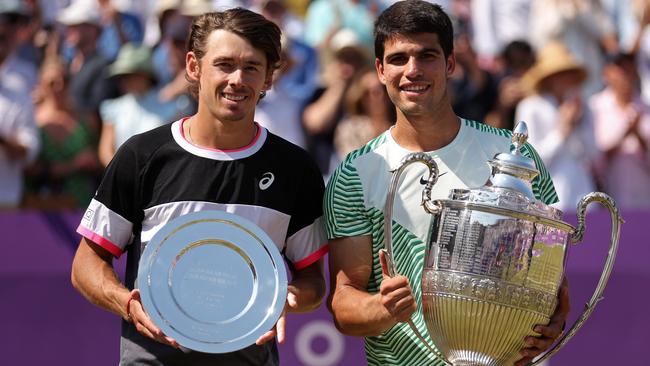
[{"x": 252, "y": 148}]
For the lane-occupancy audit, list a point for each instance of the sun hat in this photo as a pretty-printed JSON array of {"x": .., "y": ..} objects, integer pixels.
[
  {"x": 130, "y": 60},
  {"x": 80, "y": 12},
  {"x": 552, "y": 59}
]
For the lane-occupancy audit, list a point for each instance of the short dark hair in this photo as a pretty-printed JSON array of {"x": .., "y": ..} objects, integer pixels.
[
  {"x": 412, "y": 17},
  {"x": 255, "y": 28}
]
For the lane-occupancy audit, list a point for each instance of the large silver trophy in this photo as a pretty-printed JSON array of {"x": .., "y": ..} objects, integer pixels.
[{"x": 495, "y": 260}]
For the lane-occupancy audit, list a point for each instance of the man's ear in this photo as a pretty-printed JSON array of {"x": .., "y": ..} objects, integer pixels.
[
  {"x": 451, "y": 64},
  {"x": 192, "y": 66},
  {"x": 379, "y": 66},
  {"x": 268, "y": 80}
]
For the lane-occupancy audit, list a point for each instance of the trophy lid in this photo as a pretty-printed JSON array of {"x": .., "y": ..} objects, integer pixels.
[
  {"x": 510, "y": 183},
  {"x": 513, "y": 170}
]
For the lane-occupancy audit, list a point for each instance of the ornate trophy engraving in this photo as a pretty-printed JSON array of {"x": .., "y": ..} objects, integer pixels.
[{"x": 495, "y": 260}]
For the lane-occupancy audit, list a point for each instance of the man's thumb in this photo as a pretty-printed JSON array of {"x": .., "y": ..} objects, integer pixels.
[{"x": 384, "y": 260}]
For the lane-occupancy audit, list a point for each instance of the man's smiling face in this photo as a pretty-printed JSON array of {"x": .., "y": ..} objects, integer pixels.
[
  {"x": 415, "y": 72},
  {"x": 231, "y": 76}
]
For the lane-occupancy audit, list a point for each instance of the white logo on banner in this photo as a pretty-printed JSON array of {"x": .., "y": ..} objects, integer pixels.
[{"x": 335, "y": 344}]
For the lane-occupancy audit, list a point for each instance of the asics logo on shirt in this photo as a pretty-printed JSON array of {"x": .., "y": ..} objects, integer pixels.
[{"x": 267, "y": 180}]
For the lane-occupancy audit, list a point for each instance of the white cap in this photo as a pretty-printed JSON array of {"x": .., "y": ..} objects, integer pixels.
[
  {"x": 344, "y": 38},
  {"x": 80, "y": 12}
]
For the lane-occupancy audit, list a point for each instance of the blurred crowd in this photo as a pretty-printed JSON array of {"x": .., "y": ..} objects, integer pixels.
[{"x": 79, "y": 77}]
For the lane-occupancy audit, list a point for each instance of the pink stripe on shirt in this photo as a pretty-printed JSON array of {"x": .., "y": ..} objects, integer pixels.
[
  {"x": 320, "y": 253},
  {"x": 101, "y": 241}
]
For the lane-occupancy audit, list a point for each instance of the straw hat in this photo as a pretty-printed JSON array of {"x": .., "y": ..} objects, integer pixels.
[
  {"x": 130, "y": 60},
  {"x": 554, "y": 58}
]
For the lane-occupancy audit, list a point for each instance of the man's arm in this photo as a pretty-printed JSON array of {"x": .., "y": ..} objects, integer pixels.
[
  {"x": 94, "y": 277},
  {"x": 357, "y": 312},
  {"x": 307, "y": 288},
  {"x": 304, "y": 293}
]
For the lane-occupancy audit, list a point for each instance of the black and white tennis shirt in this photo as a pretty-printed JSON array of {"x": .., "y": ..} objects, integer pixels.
[{"x": 159, "y": 175}]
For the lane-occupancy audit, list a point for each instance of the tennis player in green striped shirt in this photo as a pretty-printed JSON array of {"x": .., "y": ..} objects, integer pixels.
[{"x": 414, "y": 60}]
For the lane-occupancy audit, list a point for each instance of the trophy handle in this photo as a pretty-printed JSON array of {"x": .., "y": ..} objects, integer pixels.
[
  {"x": 576, "y": 237},
  {"x": 388, "y": 217}
]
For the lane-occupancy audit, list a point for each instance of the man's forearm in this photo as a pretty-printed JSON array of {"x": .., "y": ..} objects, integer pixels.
[
  {"x": 308, "y": 288},
  {"x": 309, "y": 295},
  {"x": 95, "y": 278}
]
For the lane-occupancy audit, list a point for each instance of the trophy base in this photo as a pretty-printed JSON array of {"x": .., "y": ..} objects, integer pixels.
[
  {"x": 472, "y": 359},
  {"x": 477, "y": 333},
  {"x": 469, "y": 358}
]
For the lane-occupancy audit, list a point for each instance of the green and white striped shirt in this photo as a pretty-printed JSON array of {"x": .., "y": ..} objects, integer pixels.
[{"x": 354, "y": 202}]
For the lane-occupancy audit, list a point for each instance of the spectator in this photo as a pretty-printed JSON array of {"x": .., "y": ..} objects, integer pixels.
[
  {"x": 496, "y": 24},
  {"x": 19, "y": 143},
  {"x": 294, "y": 82},
  {"x": 627, "y": 19},
  {"x": 473, "y": 89},
  {"x": 326, "y": 17},
  {"x": 642, "y": 48},
  {"x": 369, "y": 112},
  {"x": 17, "y": 76},
  {"x": 622, "y": 125},
  {"x": 517, "y": 57},
  {"x": 560, "y": 126},
  {"x": 174, "y": 85},
  {"x": 325, "y": 109},
  {"x": 139, "y": 109},
  {"x": 118, "y": 27},
  {"x": 277, "y": 12},
  {"x": 27, "y": 53},
  {"x": 172, "y": 27},
  {"x": 280, "y": 109},
  {"x": 301, "y": 78},
  {"x": 65, "y": 173},
  {"x": 89, "y": 83},
  {"x": 583, "y": 25}
]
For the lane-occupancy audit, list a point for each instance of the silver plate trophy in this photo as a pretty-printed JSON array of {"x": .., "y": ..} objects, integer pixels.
[
  {"x": 213, "y": 281},
  {"x": 495, "y": 261}
]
